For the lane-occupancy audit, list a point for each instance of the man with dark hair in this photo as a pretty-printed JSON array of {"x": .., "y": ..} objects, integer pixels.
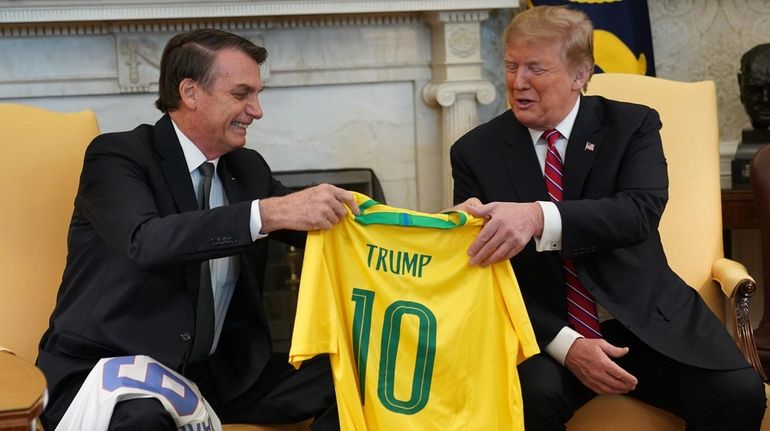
[
  {"x": 572, "y": 188},
  {"x": 167, "y": 251}
]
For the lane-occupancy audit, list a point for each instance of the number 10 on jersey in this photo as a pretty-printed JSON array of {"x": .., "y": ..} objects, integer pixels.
[{"x": 391, "y": 333}]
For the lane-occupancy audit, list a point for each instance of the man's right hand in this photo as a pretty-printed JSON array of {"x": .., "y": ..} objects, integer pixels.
[
  {"x": 319, "y": 207},
  {"x": 590, "y": 360},
  {"x": 508, "y": 228}
]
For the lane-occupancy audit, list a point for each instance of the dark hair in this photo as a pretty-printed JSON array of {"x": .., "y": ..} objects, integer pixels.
[{"x": 191, "y": 55}]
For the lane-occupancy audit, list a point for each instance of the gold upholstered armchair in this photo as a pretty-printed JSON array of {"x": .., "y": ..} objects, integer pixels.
[
  {"x": 691, "y": 229},
  {"x": 43, "y": 156},
  {"x": 43, "y": 152}
]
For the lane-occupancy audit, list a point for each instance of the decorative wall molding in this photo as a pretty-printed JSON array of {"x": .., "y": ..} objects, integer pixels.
[
  {"x": 29, "y": 11},
  {"x": 229, "y": 24},
  {"x": 138, "y": 63},
  {"x": 56, "y": 29}
]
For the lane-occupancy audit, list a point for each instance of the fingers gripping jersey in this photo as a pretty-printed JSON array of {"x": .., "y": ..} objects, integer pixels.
[{"x": 417, "y": 338}]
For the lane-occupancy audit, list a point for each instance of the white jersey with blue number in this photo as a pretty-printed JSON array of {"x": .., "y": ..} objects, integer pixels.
[{"x": 129, "y": 377}]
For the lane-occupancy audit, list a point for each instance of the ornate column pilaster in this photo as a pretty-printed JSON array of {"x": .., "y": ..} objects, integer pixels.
[{"x": 457, "y": 85}]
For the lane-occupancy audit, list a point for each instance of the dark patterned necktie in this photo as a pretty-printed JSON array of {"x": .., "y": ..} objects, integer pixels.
[
  {"x": 204, "y": 315},
  {"x": 581, "y": 306}
]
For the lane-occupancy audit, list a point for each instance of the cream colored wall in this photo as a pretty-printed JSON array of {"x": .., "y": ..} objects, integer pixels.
[{"x": 704, "y": 39}]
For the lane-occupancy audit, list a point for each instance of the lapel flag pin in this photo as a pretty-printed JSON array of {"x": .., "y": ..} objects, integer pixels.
[{"x": 589, "y": 146}]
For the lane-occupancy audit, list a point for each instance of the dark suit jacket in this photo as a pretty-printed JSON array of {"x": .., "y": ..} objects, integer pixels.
[
  {"x": 135, "y": 243},
  {"x": 613, "y": 200}
]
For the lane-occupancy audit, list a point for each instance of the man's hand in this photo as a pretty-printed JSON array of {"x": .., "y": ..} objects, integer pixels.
[
  {"x": 591, "y": 362},
  {"x": 319, "y": 207},
  {"x": 508, "y": 228},
  {"x": 464, "y": 205}
]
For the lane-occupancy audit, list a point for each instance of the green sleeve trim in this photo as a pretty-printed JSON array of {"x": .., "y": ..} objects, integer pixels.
[
  {"x": 368, "y": 204},
  {"x": 453, "y": 218}
]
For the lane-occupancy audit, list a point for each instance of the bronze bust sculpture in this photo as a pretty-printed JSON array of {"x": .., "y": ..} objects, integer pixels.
[{"x": 754, "y": 84}]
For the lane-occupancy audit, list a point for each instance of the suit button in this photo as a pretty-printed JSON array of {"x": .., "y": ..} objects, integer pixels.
[{"x": 185, "y": 336}]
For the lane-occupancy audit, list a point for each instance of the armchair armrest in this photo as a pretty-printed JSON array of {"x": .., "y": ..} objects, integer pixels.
[
  {"x": 739, "y": 287},
  {"x": 730, "y": 275}
]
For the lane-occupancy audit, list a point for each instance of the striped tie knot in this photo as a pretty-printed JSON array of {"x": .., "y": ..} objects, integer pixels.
[
  {"x": 550, "y": 136},
  {"x": 553, "y": 166}
]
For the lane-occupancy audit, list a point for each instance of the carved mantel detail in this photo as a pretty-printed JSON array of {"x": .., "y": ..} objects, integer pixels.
[
  {"x": 444, "y": 93},
  {"x": 138, "y": 64},
  {"x": 463, "y": 42},
  {"x": 139, "y": 60}
]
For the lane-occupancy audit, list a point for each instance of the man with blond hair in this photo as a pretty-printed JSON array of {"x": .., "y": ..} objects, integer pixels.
[{"x": 573, "y": 188}]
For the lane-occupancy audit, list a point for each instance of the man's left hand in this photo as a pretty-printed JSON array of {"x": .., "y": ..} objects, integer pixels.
[{"x": 591, "y": 361}]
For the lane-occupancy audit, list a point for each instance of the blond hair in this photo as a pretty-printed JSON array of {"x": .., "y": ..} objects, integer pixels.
[{"x": 559, "y": 24}]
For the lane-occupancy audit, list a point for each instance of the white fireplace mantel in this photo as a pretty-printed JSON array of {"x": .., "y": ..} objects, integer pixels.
[
  {"x": 381, "y": 84},
  {"x": 29, "y": 11}
]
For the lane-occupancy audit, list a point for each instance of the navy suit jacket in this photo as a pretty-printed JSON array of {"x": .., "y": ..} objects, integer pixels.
[
  {"x": 615, "y": 192},
  {"x": 136, "y": 240}
]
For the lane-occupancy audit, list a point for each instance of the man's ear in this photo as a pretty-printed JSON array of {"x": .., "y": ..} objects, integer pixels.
[
  {"x": 188, "y": 92},
  {"x": 581, "y": 78}
]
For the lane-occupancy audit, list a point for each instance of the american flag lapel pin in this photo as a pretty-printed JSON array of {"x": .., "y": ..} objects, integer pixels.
[{"x": 589, "y": 146}]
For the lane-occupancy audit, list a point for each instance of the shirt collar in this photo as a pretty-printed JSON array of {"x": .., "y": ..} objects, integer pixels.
[
  {"x": 564, "y": 128},
  {"x": 192, "y": 154}
]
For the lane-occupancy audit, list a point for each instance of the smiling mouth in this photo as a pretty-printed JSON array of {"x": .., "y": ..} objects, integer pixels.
[{"x": 240, "y": 125}]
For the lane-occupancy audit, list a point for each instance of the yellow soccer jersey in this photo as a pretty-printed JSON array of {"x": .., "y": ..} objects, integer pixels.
[{"x": 418, "y": 340}]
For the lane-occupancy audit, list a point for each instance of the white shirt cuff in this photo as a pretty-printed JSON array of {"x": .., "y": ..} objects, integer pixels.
[
  {"x": 551, "y": 237},
  {"x": 559, "y": 346},
  {"x": 255, "y": 221}
]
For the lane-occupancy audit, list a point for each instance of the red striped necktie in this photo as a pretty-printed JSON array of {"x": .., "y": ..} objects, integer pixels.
[{"x": 581, "y": 307}]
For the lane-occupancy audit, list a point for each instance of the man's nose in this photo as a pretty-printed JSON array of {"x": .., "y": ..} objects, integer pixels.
[
  {"x": 520, "y": 79},
  {"x": 254, "y": 109}
]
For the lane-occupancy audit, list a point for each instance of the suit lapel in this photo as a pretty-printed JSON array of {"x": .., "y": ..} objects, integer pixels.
[
  {"x": 229, "y": 183},
  {"x": 521, "y": 161},
  {"x": 584, "y": 143},
  {"x": 174, "y": 166}
]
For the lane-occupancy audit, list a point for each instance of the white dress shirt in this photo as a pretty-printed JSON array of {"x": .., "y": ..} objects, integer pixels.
[{"x": 224, "y": 271}]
